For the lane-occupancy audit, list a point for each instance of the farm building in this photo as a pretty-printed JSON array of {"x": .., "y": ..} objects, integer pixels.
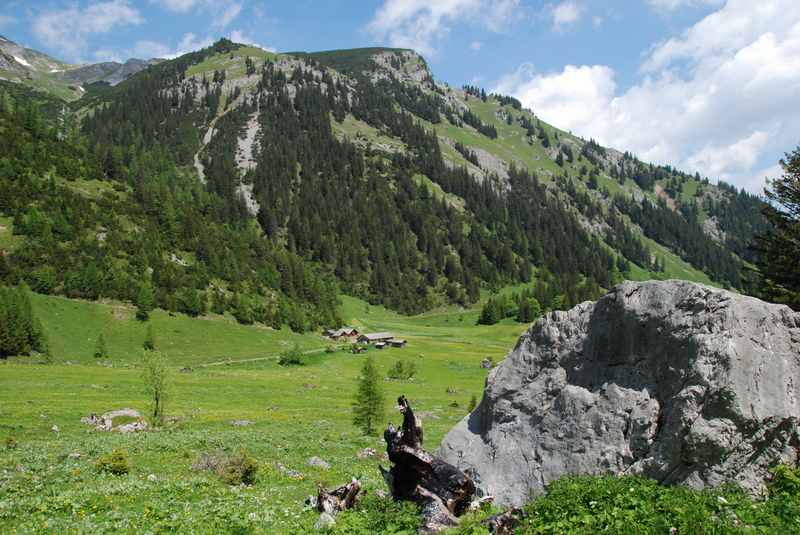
[
  {"x": 397, "y": 342},
  {"x": 373, "y": 338},
  {"x": 348, "y": 333}
]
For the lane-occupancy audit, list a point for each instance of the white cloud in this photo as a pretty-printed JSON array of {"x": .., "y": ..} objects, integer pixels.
[
  {"x": 227, "y": 14},
  {"x": 720, "y": 99},
  {"x": 671, "y": 5},
  {"x": 564, "y": 14},
  {"x": 67, "y": 29},
  {"x": 222, "y": 12},
  {"x": 419, "y": 24},
  {"x": 476, "y": 45},
  {"x": 180, "y": 6},
  {"x": 238, "y": 36}
]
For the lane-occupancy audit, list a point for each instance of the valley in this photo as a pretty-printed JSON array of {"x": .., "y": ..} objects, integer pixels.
[{"x": 179, "y": 233}]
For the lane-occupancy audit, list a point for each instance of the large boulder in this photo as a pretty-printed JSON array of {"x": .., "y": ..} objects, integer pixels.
[{"x": 673, "y": 380}]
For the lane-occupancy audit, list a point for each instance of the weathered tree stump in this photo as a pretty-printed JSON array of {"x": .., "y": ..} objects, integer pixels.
[
  {"x": 338, "y": 499},
  {"x": 443, "y": 491}
]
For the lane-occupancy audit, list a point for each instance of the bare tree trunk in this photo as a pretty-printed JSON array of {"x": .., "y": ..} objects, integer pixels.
[{"x": 443, "y": 491}]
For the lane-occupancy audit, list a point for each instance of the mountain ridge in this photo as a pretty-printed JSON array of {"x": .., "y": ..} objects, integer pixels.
[{"x": 269, "y": 135}]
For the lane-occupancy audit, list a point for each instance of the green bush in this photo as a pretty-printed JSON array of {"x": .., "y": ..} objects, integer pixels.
[
  {"x": 292, "y": 357},
  {"x": 403, "y": 370},
  {"x": 115, "y": 463},
  {"x": 11, "y": 443},
  {"x": 239, "y": 469}
]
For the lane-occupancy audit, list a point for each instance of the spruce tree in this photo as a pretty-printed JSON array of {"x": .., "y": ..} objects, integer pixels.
[
  {"x": 369, "y": 405},
  {"x": 779, "y": 247},
  {"x": 145, "y": 301}
]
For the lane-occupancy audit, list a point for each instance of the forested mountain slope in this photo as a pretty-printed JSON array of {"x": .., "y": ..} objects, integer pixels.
[{"x": 259, "y": 183}]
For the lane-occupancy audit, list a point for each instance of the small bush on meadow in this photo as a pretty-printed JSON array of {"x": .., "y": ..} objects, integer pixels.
[
  {"x": 11, "y": 443},
  {"x": 239, "y": 468},
  {"x": 292, "y": 357},
  {"x": 403, "y": 370},
  {"x": 115, "y": 463}
]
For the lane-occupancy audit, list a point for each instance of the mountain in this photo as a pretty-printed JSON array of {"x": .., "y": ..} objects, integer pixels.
[
  {"x": 40, "y": 71},
  {"x": 242, "y": 180}
]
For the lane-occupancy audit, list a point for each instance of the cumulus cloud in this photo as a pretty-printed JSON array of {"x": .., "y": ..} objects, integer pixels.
[
  {"x": 419, "y": 24},
  {"x": 222, "y": 12},
  {"x": 238, "y": 36},
  {"x": 720, "y": 99},
  {"x": 564, "y": 14},
  {"x": 671, "y": 5},
  {"x": 68, "y": 29}
]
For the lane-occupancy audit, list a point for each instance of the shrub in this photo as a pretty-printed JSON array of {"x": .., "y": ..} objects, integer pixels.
[
  {"x": 233, "y": 469},
  {"x": 11, "y": 443},
  {"x": 100, "y": 350},
  {"x": 156, "y": 382},
  {"x": 149, "y": 339},
  {"x": 115, "y": 463},
  {"x": 239, "y": 469},
  {"x": 292, "y": 357},
  {"x": 785, "y": 480},
  {"x": 403, "y": 370}
]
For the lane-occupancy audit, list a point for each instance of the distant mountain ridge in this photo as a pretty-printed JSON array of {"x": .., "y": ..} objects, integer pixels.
[
  {"x": 40, "y": 71},
  {"x": 403, "y": 190}
]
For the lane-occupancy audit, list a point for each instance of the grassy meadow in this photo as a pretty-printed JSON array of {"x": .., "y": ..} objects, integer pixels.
[{"x": 219, "y": 371}]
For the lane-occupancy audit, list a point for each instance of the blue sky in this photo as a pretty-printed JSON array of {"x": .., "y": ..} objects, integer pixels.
[{"x": 707, "y": 85}]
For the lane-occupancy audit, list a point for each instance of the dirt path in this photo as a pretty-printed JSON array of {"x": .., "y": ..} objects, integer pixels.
[{"x": 258, "y": 359}]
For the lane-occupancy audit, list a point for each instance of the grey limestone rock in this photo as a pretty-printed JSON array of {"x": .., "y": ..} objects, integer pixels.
[{"x": 673, "y": 380}]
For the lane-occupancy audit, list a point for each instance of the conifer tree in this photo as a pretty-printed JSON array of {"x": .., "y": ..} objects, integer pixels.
[
  {"x": 369, "y": 404},
  {"x": 779, "y": 246},
  {"x": 145, "y": 301}
]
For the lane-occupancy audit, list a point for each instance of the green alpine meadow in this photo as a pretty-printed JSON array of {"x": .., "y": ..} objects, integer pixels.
[{"x": 251, "y": 291}]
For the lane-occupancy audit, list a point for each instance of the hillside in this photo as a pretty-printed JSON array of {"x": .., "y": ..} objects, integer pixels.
[{"x": 236, "y": 179}]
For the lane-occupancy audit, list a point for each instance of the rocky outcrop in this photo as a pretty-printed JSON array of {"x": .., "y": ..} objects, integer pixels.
[{"x": 676, "y": 381}]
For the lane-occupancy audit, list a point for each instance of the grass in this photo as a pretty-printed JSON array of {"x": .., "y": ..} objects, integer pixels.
[
  {"x": 232, "y": 62},
  {"x": 353, "y": 129},
  {"x": 297, "y": 412}
]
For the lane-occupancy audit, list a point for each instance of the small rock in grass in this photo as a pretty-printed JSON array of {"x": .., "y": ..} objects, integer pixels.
[
  {"x": 318, "y": 463},
  {"x": 152, "y": 478},
  {"x": 241, "y": 423},
  {"x": 366, "y": 453},
  {"x": 294, "y": 474},
  {"x": 74, "y": 455},
  {"x": 54, "y": 429},
  {"x": 324, "y": 522}
]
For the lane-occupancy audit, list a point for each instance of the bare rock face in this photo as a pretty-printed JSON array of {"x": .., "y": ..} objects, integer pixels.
[{"x": 673, "y": 380}]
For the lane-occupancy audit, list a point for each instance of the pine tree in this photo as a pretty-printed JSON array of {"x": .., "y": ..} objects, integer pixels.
[
  {"x": 145, "y": 301},
  {"x": 779, "y": 247},
  {"x": 369, "y": 404}
]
